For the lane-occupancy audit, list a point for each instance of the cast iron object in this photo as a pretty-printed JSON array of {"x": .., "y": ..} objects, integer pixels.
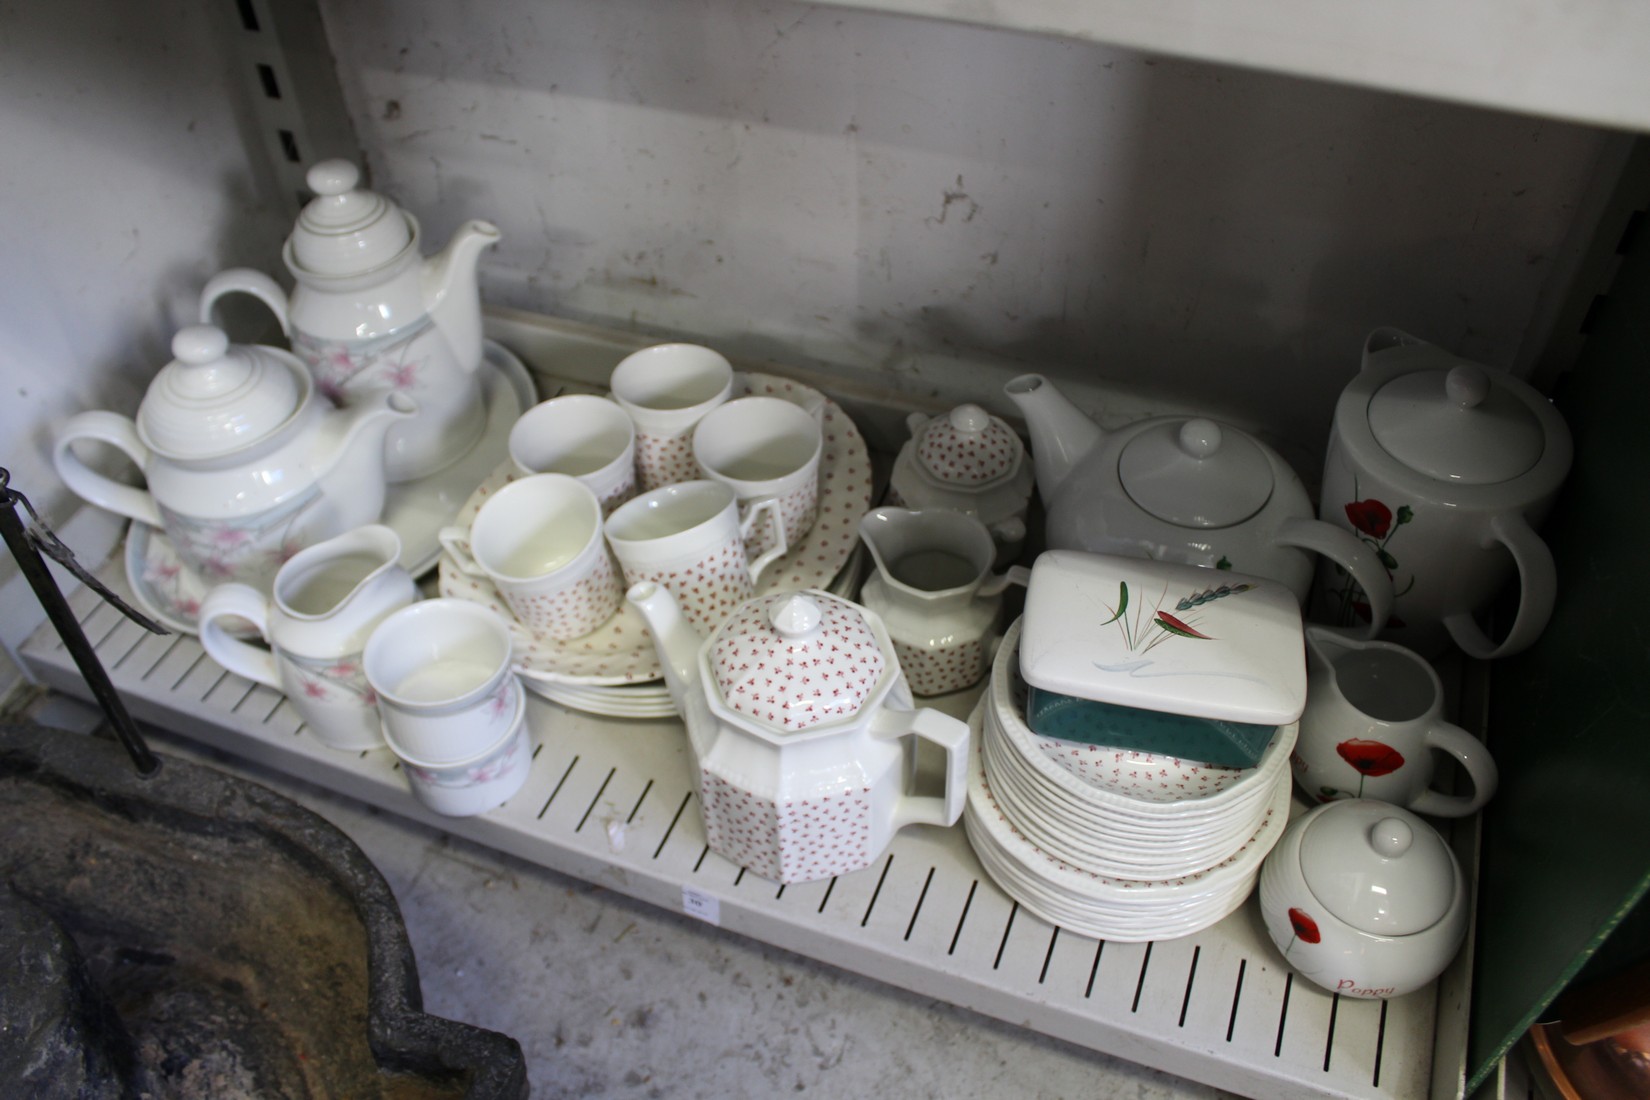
[{"x": 236, "y": 945}]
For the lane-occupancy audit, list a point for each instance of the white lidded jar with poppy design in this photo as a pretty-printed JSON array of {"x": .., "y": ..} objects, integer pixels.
[
  {"x": 803, "y": 732},
  {"x": 1445, "y": 469},
  {"x": 1365, "y": 899}
]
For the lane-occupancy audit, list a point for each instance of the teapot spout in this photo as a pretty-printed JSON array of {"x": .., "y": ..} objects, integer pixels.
[
  {"x": 1061, "y": 435},
  {"x": 451, "y": 293},
  {"x": 351, "y": 451},
  {"x": 675, "y": 640}
]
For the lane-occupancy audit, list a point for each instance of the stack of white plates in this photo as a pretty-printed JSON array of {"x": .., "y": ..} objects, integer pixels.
[{"x": 1110, "y": 842}]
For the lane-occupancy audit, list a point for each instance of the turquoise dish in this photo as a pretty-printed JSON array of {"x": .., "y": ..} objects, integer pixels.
[{"x": 1209, "y": 740}]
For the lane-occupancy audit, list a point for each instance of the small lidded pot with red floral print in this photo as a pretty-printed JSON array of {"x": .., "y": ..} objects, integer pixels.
[
  {"x": 1365, "y": 899},
  {"x": 967, "y": 461}
]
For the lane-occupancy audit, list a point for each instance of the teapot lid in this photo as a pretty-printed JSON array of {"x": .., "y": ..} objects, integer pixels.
[
  {"x": 795, "y": 660},
  {"x": 968, "y": 447},
  {"x": 1456, "y": 425},
  {"x": 345, "y": 231},
  {"x": 1377, "y": 867},
  {"x": 214, "y": 399},
  {"x": 1195, "y": 473}
]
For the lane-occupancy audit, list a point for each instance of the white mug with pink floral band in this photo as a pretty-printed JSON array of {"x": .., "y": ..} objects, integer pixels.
[
  {"x": 442, "y": 670},
  {"x": 475, "y": 785},
  {"x": 690, "y": 539},
  {"x": 764, "y": 448},
  {"x": 539, "y": 540},
  {"x": 1373, "y": 728},
  {"x": 583, "y": 436},
  {"x": 666, "y": 389},
  {"x": 326, "y": 602}
]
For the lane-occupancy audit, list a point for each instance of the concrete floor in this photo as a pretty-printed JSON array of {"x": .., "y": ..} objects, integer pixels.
[{"x": 610, "y": 997}]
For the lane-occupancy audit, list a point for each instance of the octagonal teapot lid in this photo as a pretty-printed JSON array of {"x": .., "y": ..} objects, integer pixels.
[
  {"x": 346, "y": 231},
  {"x": 796, "y": 660},
  {"x": 1378, "y": 868},
  {"x": 214, "y": 399},
  {"x": 1196, "y": 473},
  {"x": 968, "y": 447}
]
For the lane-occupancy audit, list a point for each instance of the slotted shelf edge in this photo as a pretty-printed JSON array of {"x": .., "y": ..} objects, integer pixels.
[{"x": 610, "y": 802}]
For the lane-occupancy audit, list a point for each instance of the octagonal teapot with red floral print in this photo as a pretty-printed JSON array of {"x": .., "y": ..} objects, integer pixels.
[
  {"x": 1444, "y": 468},
  {"x": 803, "y": 732}
]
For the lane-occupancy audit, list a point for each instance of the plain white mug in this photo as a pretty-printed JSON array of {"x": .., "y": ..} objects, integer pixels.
[
  {"x": 665, "y": 389},
  {"x": 764, "y": 448},
  {"x": 582, "y": 436},
  {"x": 690, "y": 539},
  {"x": 539, "y": 540}
]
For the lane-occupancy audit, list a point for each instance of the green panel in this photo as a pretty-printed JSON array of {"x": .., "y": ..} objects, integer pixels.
[{"x": 1566, "y": 849}]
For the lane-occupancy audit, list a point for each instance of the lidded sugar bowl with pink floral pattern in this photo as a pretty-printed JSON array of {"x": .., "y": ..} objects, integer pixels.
[
  {"x": 967, "y": 461},
  {"x": 803, "y": 732}
]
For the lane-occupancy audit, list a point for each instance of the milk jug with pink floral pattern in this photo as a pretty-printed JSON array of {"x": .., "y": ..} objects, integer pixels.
[
  {"x": 327, "y": 600},
  {"x": 371, "y": 314},
  {"x": 802, "y": 731}
]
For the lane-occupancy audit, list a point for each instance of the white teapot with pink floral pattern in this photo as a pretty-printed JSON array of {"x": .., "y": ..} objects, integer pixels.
[
  {"x": 803, "y": 732},
  {"x": 370, "y": 313},
  {"x": 245, "y": 464}
]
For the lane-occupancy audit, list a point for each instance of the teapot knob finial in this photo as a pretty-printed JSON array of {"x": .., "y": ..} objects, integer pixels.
[
  {"x": 1391, "y": 837},
  {"x": 1199, "y": 437},
  {"x": 796, "y": 617},
  {"x": 197, "y": 344},
  {"x": 970, "y": 418},
  {"x": 332, "y": 177},
  {"x": 1467, "y": 385}
]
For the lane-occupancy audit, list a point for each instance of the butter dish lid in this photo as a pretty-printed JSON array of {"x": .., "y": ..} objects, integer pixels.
[{"x": 1163, "y": 636}]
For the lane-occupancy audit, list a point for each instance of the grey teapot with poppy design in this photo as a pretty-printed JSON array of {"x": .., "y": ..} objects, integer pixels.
[
  {"x": 1183, "y": 489},
  {"x": 1444, "y": 468}
]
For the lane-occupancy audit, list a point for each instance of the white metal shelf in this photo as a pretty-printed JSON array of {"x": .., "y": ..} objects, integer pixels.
[
  {"x": 1582, "y": 61},
  {"x": 611, "y": 802}
]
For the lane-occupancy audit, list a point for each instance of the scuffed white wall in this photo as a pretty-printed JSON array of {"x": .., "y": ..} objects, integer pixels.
[
  {"x": 124, "y": 183},
  {"x": 875, "y": 192}
]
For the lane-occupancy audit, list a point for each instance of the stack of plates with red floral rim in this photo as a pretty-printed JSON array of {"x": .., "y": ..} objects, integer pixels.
[{"x": 1114, "y": 843}]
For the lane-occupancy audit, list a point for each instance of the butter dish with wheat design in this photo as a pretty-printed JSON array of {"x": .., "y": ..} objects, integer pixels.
[{"x": 1160, "y": 657}]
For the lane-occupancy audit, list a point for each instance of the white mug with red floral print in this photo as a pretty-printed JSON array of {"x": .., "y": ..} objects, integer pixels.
[
  {"x": 445, "y": 683},
  {"x": 1373, "y": 726},
  {"x": 666, "y": 389},
  {"x": 765, "y": 448},
  {"x": 327, "y": 601},
  {"x": 690, "y": 539},
  {"x": 1444, "y": 469},
  {"x": 539, "y": 540},
  {"x": 583, "y": 436}
]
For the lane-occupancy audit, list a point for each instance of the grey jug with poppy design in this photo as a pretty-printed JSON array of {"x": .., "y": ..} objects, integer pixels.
[
  {"x": 1444, "y": 468},
  {"x": 1373, "y": 728}
]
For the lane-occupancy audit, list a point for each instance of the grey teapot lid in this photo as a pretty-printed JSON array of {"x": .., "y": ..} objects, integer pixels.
[
  {"x": 1196, "y": 473},
  {"x": 1460, "y": 424}
]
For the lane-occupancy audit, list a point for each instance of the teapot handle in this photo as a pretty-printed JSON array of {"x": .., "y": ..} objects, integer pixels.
[
  {"x": 1347, "y": 551},
  {"x": 1537, "y": 592},
  {"x": 105, "y": 492},
  {"x": 1386, "y": 338},
  {"x": 949, "y": 734},
  {"x": 238, "y": 601},
  {"x": 244, "y": 280},
  {"x": 1475, "y": 760}
]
